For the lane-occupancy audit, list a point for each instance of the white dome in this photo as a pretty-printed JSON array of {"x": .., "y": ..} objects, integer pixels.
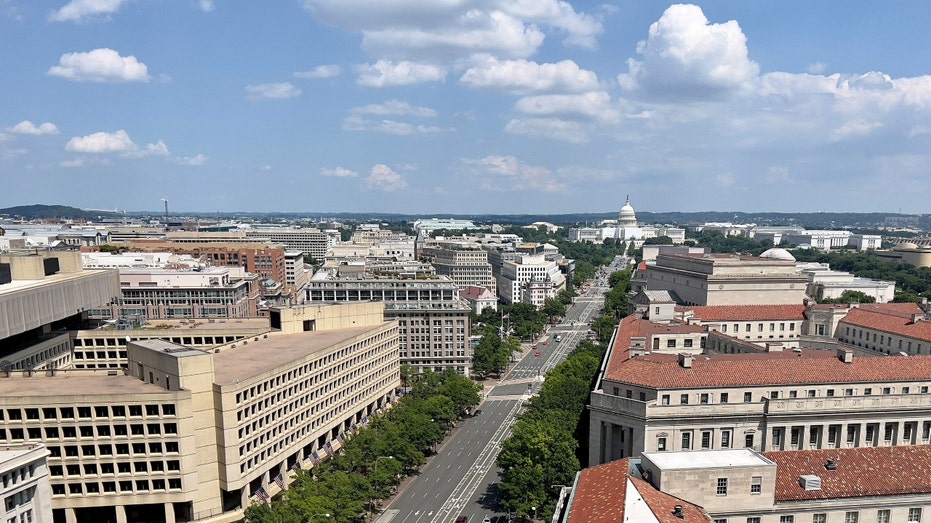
[
  {"x": 627, "y": 217},
  {"x": 778, "y": 254}
]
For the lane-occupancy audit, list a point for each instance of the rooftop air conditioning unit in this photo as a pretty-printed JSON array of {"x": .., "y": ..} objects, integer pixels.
[{"x": 809, "y": 482}]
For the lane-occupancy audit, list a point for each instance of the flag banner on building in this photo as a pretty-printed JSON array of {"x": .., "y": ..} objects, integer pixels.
[
  {"x": 354, "y": 429},
  {"x": 315, "y": 458},
  {"x": 262, "y": 494},
  {"x": 279, "y": 480},
  {"x": 365, "y": 420},
  {"x": 328, "y": 447},
  {"x": 341, "y": 439},
  {"x": 297, "y": 465}
]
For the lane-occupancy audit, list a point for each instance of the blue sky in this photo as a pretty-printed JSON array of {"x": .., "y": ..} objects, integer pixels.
[{"x": 466, "y": 106}]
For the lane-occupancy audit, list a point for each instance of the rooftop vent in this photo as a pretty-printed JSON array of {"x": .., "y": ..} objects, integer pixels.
[
  {"x": 845, "y": 355},
  {"x": 685, "y": 360},
  {"x": 809, "y": 482},
  {"x": 677, "y": 512},
  {"x": 830, "y": 465}
]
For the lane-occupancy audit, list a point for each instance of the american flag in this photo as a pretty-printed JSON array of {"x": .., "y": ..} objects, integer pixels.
[
  {"x": 328, "y": 447},
  {"x": 279, "y": 480},
  {"x": 297, "y": 465},
  {"x": 340, "y": 439},
  {"x": 315, "y": 458},
  {"x": 365, "y": 420},
  {"x": 262, "y": 494},
  {"x": 354, "y": 429}
]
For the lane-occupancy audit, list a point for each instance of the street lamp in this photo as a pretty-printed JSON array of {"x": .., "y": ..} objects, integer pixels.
[
  {"x": 375, "y": 475},
  {"x": 534, "y": 509}
]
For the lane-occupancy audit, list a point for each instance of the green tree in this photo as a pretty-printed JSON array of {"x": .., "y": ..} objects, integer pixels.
[{"x": 553, "y": 308}]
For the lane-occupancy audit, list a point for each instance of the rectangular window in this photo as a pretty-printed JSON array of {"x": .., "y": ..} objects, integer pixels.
[
  {"x": 723, "y": 397},
  {"x": 851, "y": 434},
  {"x": 914, "y": 514},
  {"x": 725, "y": 439},
  {"x": 883, "y": 515},
  {"x": 832, "y": 435},
  {"x": 721, "y": 487},
  {"x": 830, "y": 393},
  {"x": 748, "y": 441},
  {"x": 869, "y": 433},
  {"x": 748, "y": 397},
  {"x": 661, "y": 444},
  {"x": 665, "y": 399},
  {"x": 777, "y": 437},
  {"x": 686, "y": 440},
  {"x": 671, "y": 343},
  {"x": 811, "y": 394},
  {"x": 756, "y": 484},
  {"x": 793, "y": 393},
  {"x": 786, "y": 519},
  {"x": 905, "y": 390},
  {"x": 887, "y": 434},
  {"x": 868, "y": 391},
  {"x": 887, "y": 390},
  {"x": 703, "y": 398},
  {"x": 706, "y": 439},
  {"x": 819, "y": 518},
  {"x": 796, "y": 435},
  {"x": 753, "y": 519},
  {"x": 852, "y": 517},
  {"x": 926, "y": 430},
  {"x": 924, "y": 389},
  {"x": 774, "y": 394},
  {"x": 687, "y": 343},
  {"x": 684, "y": 399}
]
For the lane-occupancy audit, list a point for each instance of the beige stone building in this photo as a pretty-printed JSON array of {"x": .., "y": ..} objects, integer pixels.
[
  {"x": 782, "y": 400},
  {"x": 465, "y": 265},
  {"x": 193, "y": 435},
  {"x": 727, "y": 279},
  {"x": 25, "y": 490}
]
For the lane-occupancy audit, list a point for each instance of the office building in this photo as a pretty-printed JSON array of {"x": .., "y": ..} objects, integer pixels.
[
  {"x": 433, "y": 320},
  {"x": 529, "y": 278},
  {"x": 465, "y": 264},
  {"x": 189, "y": 435}
]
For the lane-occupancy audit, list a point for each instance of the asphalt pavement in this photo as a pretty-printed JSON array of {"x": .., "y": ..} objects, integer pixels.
[{"x": 461, "y": 479}]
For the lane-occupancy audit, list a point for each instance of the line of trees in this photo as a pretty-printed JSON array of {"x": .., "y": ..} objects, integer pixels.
[
  {"x": 372, "y": 463},
  {"x": 549, "y": 442}
]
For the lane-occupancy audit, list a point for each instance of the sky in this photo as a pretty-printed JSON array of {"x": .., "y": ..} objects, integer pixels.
[{"x": 466, "y": 106}]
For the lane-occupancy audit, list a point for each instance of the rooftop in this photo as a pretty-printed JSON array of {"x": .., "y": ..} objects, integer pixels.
[
  {"x": 75, "y": 384},
  {"x": 255, "y": 357},
  {"x": 802, "y": 367},
  {"x": 897, "y": 321},
  {"x": 860, "y": 472},
  {"x": 686, "y": 460},
  {"x": 746, "y": 312}
]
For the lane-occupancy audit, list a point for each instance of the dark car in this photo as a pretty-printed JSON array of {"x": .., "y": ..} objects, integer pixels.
[{"x": 462, "y": 519}]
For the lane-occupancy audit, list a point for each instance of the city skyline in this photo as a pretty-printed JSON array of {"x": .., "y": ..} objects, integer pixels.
[{"x": 464, "y": 107}]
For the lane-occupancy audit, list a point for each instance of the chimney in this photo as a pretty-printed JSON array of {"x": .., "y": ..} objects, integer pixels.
[
  {"x": 845, "y": 355},
  {"x": 830, "y": 465},
  {"x": 677, "y": 512},
  {"x": 685, "y": 360}
]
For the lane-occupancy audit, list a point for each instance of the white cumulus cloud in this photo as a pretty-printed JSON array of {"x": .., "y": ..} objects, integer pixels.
[
  {"x": 385, "y": 73},
  {"x": 100, "y": 65},
  {"x": 205, "y": 5},
  {"x": 509, "y": 173},
  {"x": 194, "y": 161},
  {"x": 355, "y": 122},
  {"x": 523, "y": 76},
  {"x": 685, "y": 55},
  {"x": 589, "y": 106},
  {"x": 81, "y": 10},
  {"x": 27, "y": 127},
  {"x": 339, "y": 172},
  {"x": 321, "y": 71},
  {"x": 383, "y": 178},
  {"x": 272, "y": 91},
  {"x": 444, "y": 30},
  {"x": 394, "y": 108},
  {"x": 117, "y": 142}
]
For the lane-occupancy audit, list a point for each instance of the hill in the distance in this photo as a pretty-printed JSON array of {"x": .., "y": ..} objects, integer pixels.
[{"x": 39, "y": 211}]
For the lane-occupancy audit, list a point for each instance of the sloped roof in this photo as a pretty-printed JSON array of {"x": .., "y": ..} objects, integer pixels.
[
  {"x": 662, "y": 371},
  {"x": 602, "y": 495},
  {"x": 746, "y": 312},
  {"x": 893, "y": 321},
  {"x": 861, "y": 472}
]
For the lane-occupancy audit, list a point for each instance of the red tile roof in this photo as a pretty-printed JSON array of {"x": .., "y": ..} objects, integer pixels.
[
  {"x": 473, "y": 292},
  {"x": 634, "y": 326},
  {"x": 600, "y": 496},
  {"x": 662, "y": 371},
  {"x": 861, "y": 472},
  {"x": 893, "y": 321},
  {"x": 746, "y": 312}
]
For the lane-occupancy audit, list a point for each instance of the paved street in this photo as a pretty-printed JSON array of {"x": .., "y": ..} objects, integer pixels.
[{"x": 461, "y": 480}]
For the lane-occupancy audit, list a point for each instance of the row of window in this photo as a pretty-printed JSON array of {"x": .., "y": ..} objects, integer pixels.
[
  {"x": 113, "y": 487},
  {"x": 850, "y": 516},
  {"x": 705, "y": 398},
  {"x": 88, "y": 431},
  {"x": 759, "y": 327},
  {"x": 97, "y": 412},
  {"x": 121, "y": 449}
]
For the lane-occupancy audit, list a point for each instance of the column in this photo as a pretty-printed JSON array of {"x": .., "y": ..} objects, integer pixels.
[
  {"x": 169, "y": 513},
  {"x": 120, "y": 514},
  {"x": 244, "y": 497},
  {"x": 842, "y": 437},
  {"x": 803, "y": 443},
  {"x": 69, "y": 516}
]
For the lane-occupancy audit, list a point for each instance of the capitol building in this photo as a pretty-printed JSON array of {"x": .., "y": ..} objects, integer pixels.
[{"x": 626, "y": 228}]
